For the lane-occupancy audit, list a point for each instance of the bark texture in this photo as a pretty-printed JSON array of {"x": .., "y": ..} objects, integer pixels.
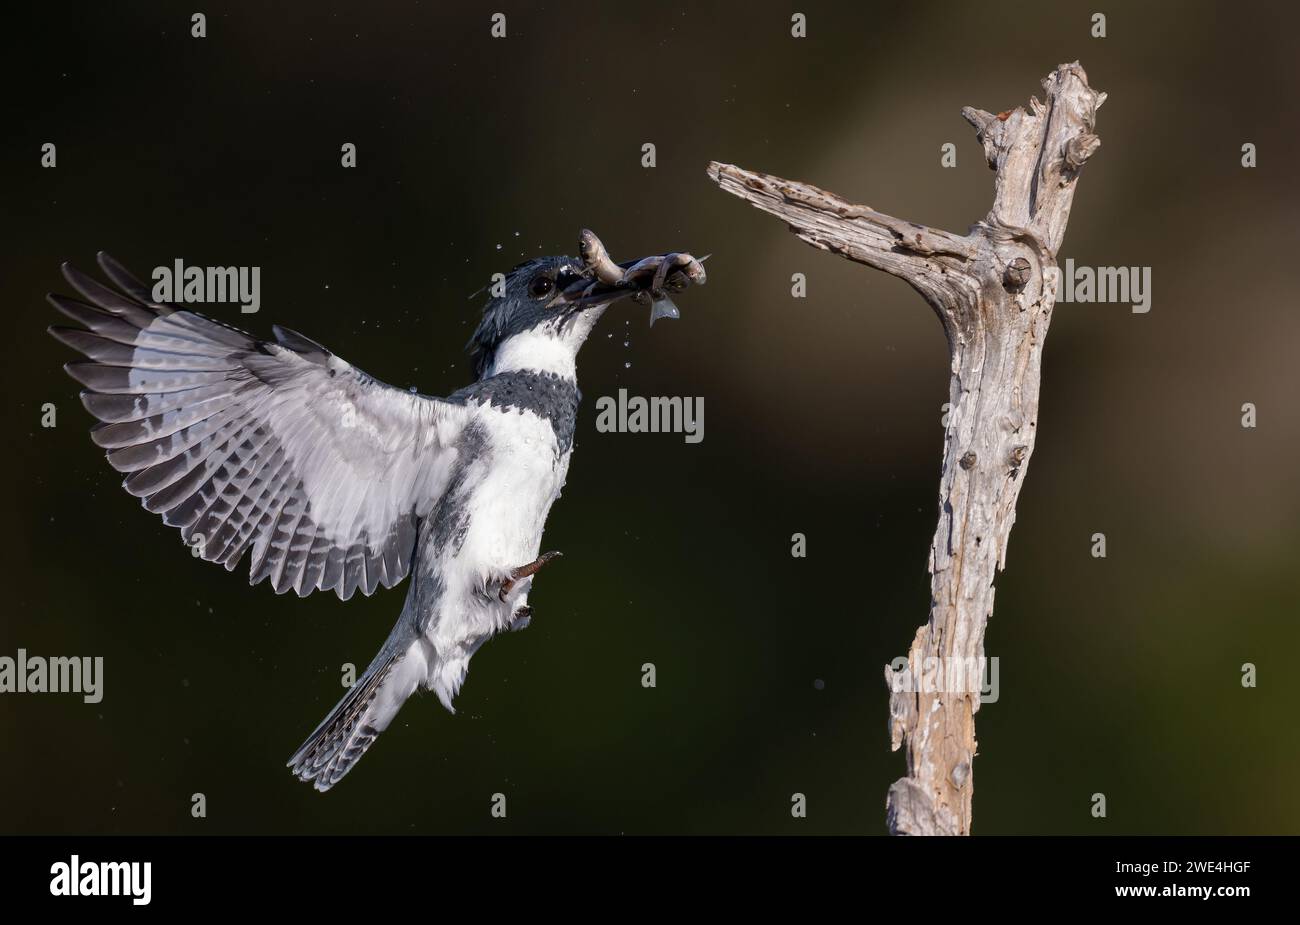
[{"x": 993, "y": 290}]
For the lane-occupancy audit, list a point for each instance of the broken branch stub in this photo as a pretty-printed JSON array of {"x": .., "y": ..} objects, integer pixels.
[{"x": 988, "y": 288}]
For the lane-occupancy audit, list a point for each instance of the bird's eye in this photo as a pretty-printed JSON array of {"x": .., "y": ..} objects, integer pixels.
[{"x": 541, "y": 287}]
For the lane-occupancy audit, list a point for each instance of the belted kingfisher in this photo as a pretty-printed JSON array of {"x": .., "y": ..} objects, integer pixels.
[{"x": 335, "y": 480}]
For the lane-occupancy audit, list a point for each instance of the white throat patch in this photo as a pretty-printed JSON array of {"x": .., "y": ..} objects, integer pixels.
[{"x": 548, "y": 348}]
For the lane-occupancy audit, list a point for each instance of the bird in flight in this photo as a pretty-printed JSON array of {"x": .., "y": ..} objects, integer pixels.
[{"x": 333, "y": 480}]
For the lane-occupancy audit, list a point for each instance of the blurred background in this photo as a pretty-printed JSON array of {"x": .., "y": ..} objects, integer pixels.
[{"x": 1118, "y": 676}]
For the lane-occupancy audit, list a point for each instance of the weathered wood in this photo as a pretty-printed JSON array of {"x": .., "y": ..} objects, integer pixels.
[{"x": 988, "y": 289}]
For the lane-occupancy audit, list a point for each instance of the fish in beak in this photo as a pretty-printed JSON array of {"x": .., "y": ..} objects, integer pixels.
[{"x": 648, "y": 280}]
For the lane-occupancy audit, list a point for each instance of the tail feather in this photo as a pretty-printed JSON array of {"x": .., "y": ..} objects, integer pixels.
[{"x": 355, "y": 722}]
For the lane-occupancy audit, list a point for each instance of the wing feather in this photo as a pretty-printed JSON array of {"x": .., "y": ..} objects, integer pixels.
[{"x": 279, "y": 449}]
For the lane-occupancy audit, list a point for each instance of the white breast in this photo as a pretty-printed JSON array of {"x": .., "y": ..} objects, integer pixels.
[{"x": 521, "y": 475}]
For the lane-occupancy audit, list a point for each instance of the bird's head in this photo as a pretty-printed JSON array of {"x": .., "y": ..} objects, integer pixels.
[{"x": 546, "y": 307}]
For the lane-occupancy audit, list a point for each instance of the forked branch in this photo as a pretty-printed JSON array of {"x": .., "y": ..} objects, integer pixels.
[{"x": 989, "y": 289}]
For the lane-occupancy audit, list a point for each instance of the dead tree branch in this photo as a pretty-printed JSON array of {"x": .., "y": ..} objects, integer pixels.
[{"x": 989, "y": 291}]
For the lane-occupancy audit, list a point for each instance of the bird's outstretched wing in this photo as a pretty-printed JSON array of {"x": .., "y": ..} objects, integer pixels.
[{"x": 281, "y": 448}]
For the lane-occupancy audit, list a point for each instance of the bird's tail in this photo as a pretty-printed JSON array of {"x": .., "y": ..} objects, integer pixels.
[{"x": 364, "y": 712}]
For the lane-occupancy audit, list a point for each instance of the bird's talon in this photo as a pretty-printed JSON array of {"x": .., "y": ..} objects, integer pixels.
[{"x": 525, "y": 571}]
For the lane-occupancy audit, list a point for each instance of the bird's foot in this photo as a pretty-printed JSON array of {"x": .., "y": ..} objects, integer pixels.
[
  {"x": 521, "y": 618},
  {"x": 525, "y": 571}
]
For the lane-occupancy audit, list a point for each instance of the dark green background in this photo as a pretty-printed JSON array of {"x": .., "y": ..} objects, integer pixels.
[{"x": 1118, "y": 676}]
